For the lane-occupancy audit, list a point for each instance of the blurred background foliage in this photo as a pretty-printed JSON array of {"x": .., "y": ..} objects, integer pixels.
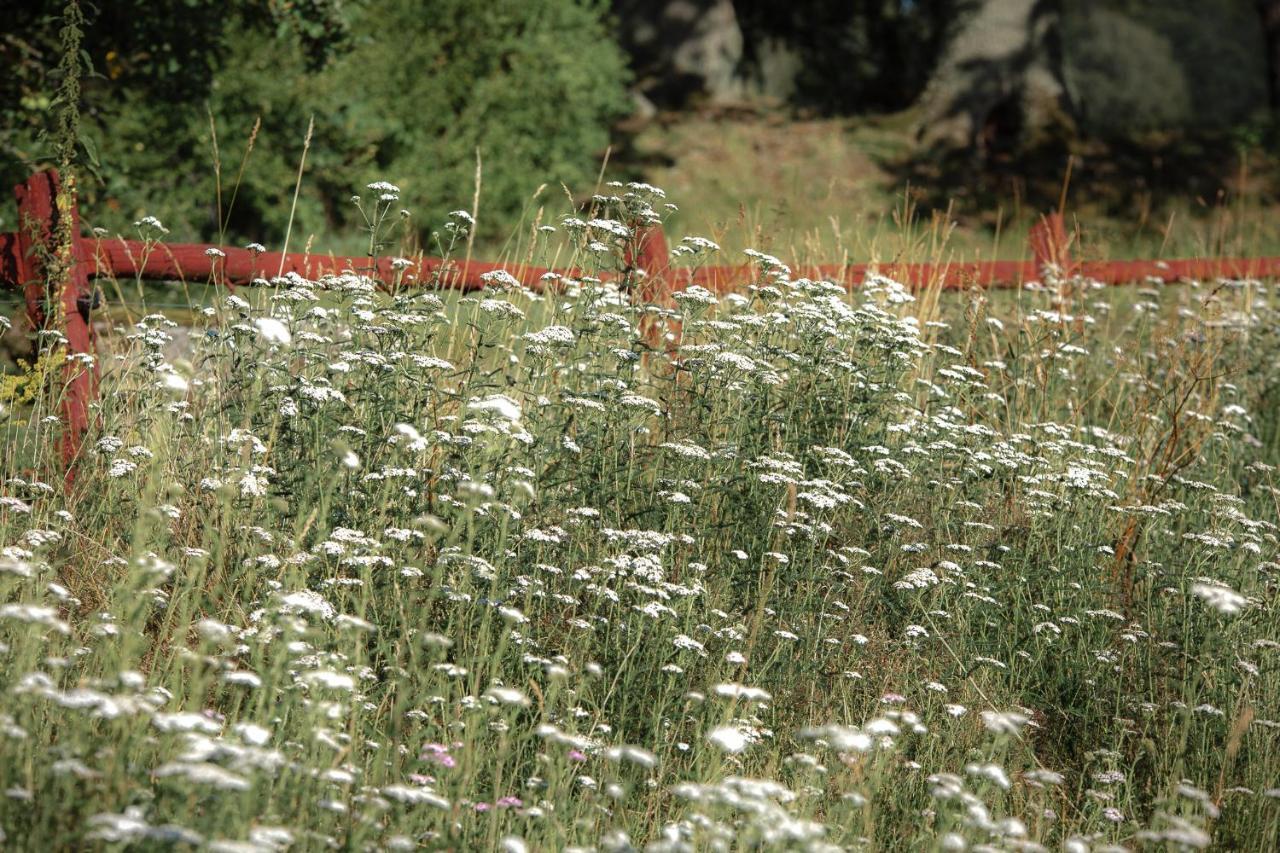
[
  {"x": 400, "y": 90},
  {"x": 975, "y": 105},
  {"x": 1142, "y": 65}
]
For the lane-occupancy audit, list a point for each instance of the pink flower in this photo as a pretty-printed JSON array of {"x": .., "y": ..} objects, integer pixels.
[
  {"x": 577, "y": 755},
  {"x": 510, "y": 802},
  {"x": 438, "y": 754},
  {"x": 482, "y": 807}
]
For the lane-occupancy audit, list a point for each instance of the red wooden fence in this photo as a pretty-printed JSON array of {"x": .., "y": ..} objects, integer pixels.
[{"x": 23, "y": 256}]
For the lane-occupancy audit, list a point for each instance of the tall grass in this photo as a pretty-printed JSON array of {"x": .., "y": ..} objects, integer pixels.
[{"x": 788, "y": 568}]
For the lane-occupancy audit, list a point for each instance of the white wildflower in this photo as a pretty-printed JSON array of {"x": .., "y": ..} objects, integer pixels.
[
  {"x": 273, "y": 331},
  {"x": 1221, "y": 598},
  {"x": 729, "y": 739}
]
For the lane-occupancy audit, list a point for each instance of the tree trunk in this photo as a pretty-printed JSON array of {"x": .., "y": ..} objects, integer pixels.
[{"x": 1000, "y": 83}]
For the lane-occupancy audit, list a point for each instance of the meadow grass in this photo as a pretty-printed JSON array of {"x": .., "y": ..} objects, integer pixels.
[
  {"x": 788, "y": 568},
  {"x": 820, "y": 187}
]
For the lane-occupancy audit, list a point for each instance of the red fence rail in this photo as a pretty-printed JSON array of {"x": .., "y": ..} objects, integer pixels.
[{"x": 25, "y": 254}]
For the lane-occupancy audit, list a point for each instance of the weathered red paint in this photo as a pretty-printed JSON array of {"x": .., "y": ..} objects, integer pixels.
[
  {"x": 949, "y": 276},
  {"x": 1050, "y": 245},
  {"x": 36, "y": 240},
  {"x": 192, "y": 262},
  {"x": 993, "y": 274},
  {"x": 653, "y": 261}
]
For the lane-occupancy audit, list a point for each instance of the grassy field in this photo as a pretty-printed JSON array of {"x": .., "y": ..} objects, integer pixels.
[
  {"x": 820, "y": 188},
  {"x": 791, "y": 569}
]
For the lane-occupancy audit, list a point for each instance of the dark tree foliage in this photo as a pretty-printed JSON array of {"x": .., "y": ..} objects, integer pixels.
[
  {"x": 401, "y": 90},
  {"x": 1269, "y": 17},
  {"x": 171, "y": 49},
  {"x": 165, "y": 53},
  {"x": 1165, "y": 65},
  {"x": 857, "y": 55}
]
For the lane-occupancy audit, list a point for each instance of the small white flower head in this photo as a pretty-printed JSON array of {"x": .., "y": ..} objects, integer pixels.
[
  {"x": 252, "y": 486},
  {"x": 329, "y": 679},
  {"x": 1221, "y": 598},
  {"x": 992, "y": 772},
  {"x": 512, "y": 616},
  {"x": 256, "y": 248},
  {"x": 273, "y": 331},
  {"x": 436, "y": 641},
  {"x": 506, "y": 696},
  {"x": 845, "y": 739},
  {"x": 728, "y": 739},
  {"x": 408, "y": 436},
  {"x": 500, "y": 279},
  {"x": 460, "y": 222},
  {"x": 412, "y": 795},
  {"x": 700, "y": 245},
  {"x": 893, "y": 292},
  {"x": 1004, "y": 723},
  {"x": 213, "y": 252},
  {"x": 551, "y": 336},
  {"x": 742, "y": 692},
  {"x": 386, "y": 191},
  {"x": 500, "y": 404},
  {"x": 513, "y": 844},
  {"x": 610, "y": 226},
  {"x": 152, "y": 223},
  {"x": 695, "y": 295},
  {"x": 637, "y": 755},
  {"x": 14, "y": 505},
  {"x": 307, "y": 602},
  {"x": 174, "y": 383},
  {"x": 214, "y": 631}
]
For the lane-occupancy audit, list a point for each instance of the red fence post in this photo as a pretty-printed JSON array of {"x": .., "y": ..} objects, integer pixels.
[
  {"x": 652, "y": 259},
  {"x": 66, "y": 303},
  {"x": 655, "y": 260},
  {"x": 1050, "y": 245}
]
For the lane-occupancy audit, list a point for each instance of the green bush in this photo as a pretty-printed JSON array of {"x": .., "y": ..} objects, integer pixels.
[
  {"x": 1164, "y": 65},
  {"x": 401, "y": 91}
]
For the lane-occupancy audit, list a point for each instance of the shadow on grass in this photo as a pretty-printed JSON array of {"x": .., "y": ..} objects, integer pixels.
[{"x": 1135, "y": 178}]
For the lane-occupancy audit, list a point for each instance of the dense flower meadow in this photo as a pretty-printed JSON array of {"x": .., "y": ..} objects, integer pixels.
[{"x": 789, "y": 568}]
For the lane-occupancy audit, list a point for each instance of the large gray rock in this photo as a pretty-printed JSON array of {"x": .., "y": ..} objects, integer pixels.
[
  {"x": 1019, "y": 72},
  {"x": 999, "y": 82},
  {"x": 682, "y": 50}
]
